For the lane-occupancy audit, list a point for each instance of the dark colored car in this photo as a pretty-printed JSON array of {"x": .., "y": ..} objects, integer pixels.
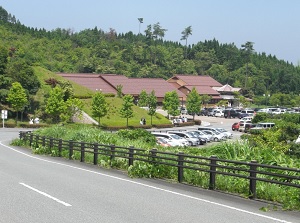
[
  {"x": 203, "y": 112},
  {"x": 235, "y": 126},
  {"x": 242, "y": 115},
  {"x": 231, "y": 113},
  {"x": 210, "y": 112}
]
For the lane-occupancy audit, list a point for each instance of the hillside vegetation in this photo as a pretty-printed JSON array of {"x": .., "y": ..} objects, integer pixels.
[
  {"x": 29, "y": 56},
  {"x": 94, "y": 50}
]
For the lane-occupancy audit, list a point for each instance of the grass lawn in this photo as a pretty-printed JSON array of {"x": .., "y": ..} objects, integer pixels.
[{"x": 112, "y": 118}]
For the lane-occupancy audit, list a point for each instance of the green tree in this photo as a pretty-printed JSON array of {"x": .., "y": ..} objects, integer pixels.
[
  {"x": 99, "y": 106},
  {"x": 126, "y": 111},
  {"x": 158, "y": 31},
  {"x": 67, "y": 88},
  {"x": 193, "y": 103},
  {"x": 17, "y": 98},
  {"x": 119, "y": 91},
  {"x": 20, "y": 71},
  {"x": 55, "y": 104},
  {"x": 185, "y": 35},
  {"x": 171, "y": 103},
  {"x": 247, "y": 51},
  {"x": 205, "y": 99},
  {"x": 3, "y": 59},
  {"x": 73, "y": 106},
  {"x": 143, "y": 99},
  {"x": 152, "y": 104}
]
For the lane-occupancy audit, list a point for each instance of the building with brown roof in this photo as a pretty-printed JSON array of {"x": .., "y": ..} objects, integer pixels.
[
  {"x": 182, "y": 84},
  {"x": 108, "y": 83},
  {"x": 203, "y": 84}
]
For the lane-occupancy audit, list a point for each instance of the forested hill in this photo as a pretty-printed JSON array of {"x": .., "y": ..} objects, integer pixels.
[{"x": 145, "y": 55}]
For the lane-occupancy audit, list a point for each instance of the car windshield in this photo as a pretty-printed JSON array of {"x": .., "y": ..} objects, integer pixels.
[
  {"x": 190, "y": 134},
  {"x": 200, "y": 133},
  {"x": 209, "y": 132},
  {"x": 195, "y": 133},
  {"x": 162, "y": 140},
  {"x": 175, "y": 136},
  {"x": 221, "y": 130}
]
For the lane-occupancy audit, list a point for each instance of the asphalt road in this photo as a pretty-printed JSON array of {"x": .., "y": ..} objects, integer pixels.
[{"x": 46, "y": 189}]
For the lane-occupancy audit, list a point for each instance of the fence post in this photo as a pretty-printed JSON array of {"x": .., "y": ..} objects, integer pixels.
[
  {"x": 43, "y": 141},
  {"x": 59, "y": 147},
  {"x": 30, "y": 139},
  {"x": 51, "y": 142},
  {"x": 112, "y": 152},
  {"x": 71, "y": 144},
  {"x": 252, "y": 187},
  {"x": 21, "y": 134},
  {"x": 130, "y": 156},
  {"x": 212, "y": 172},
  {"x": 153, "y": 155},
  {"x": 180, "y": 166},
  {"x": 82, "y": 146},
  {"x": 37, "y": 139},
  {"x": 96, "y": 146}
]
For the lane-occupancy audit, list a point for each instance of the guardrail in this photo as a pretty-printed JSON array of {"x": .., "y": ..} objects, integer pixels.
[{"x": 251, "y": 171}]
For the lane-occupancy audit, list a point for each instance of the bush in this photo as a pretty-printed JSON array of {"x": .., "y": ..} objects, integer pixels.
[
  {"x": 294, "y": 150},
  {"x": 137, "y": 134}
]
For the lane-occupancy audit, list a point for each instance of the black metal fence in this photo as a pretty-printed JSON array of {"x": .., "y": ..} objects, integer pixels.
[{"x": 251, "y": 171}]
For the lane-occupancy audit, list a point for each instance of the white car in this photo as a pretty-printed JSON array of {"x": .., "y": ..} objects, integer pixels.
[
  {"x": 172, "y": 139},
  {"x": 247, "y": 118},
  {"x": 193, "y": 140},
  {"x": 208, "y": 137},
  {"x": 215, "y": 136},
  {"x": 224, "y": 131},
  {"x": 219, "y": 113}
]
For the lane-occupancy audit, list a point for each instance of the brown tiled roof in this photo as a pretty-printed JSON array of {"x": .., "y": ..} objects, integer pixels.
[
  {"x": 109, "y": 82},
  {"x": 203, "y": 89},
  {"x": 91, "y": 81},
  {"x": 134, "y": 86},
  {"x": 197, "y": 80}
]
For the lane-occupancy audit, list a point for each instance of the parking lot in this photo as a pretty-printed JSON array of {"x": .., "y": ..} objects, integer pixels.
[{"x": 214, "y": 122}]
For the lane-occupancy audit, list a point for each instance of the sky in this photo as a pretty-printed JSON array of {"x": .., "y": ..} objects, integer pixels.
[{"x": 272, "y": 25}]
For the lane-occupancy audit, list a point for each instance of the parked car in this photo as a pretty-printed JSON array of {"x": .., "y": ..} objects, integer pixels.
[
  {"x": 210, "y": 112},
  {"x": 248, "y": 118},
  {"x": 231, "y": 113},
  {"x": 263, "y": 125},
  {"x": 218, "y": 113},
  {"x": 246, "y": 113},
  {"x": 173, "y": 139},
  {"x": 243, "y": 124},
  {"x": 202, "y": 139},
  {"x": 215, "y": 136},
  {"x": 193, "y": 140},
  {"x": 203, "y": 112},
  {"x": 162, "y": 142},
  {"x": 235, "y": 126},
  {"x": 208, "y": 137},
  {"x": 224, "y": 131},
  {"x": 183, "y": 111},
  {"x": 213, "y": 130}
]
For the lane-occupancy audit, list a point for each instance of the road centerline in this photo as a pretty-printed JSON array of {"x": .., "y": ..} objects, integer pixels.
[{"x": 46, "y": 195}]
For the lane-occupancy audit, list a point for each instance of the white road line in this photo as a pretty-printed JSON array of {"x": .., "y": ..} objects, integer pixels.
[
  {"x": 46, "y": 195},
  {"x": 152, "y": 187}
]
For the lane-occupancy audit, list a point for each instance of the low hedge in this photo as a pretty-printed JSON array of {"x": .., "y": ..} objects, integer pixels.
[{"x": 27, "y": 125}]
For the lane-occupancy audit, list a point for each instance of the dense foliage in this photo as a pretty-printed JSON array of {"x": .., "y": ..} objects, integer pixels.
[{"x": 93, "y": 50}]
